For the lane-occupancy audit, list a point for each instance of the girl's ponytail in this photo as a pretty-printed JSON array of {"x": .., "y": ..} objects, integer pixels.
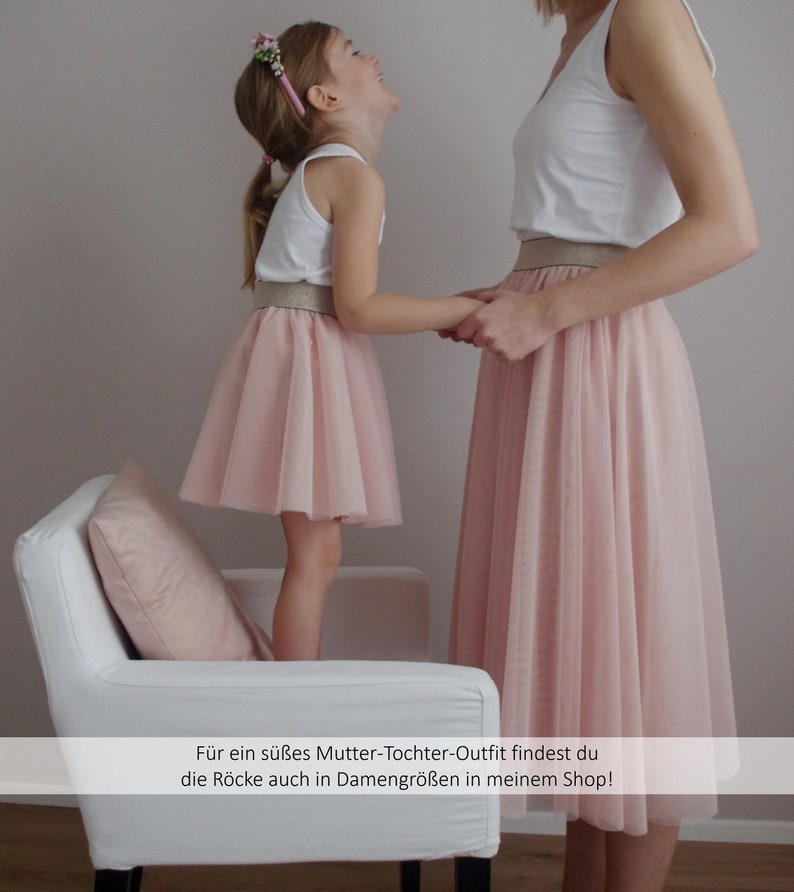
[{"x": 260, "y": 199}]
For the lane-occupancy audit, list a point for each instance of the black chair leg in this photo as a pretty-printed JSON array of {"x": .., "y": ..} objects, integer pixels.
[
  {"x": 118, "y": 880},
  {"x": 472, "y": 875},
  {"x": 410, "y": 876}
]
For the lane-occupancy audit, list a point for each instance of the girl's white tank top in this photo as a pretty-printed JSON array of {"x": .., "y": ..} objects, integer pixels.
[{"x": 298, "y": 240}]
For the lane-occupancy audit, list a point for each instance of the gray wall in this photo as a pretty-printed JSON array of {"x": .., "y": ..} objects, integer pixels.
[{"x": 122, "y": 167}]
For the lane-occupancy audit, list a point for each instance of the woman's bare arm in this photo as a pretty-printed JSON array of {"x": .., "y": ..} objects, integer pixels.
[{"x": 655, "y": 60}]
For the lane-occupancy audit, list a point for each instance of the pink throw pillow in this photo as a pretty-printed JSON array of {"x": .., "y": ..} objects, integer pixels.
[{"x": 161, "y": 580}]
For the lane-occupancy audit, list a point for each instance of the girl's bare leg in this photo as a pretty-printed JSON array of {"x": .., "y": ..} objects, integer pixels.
[{"x": 314, "y": 550}]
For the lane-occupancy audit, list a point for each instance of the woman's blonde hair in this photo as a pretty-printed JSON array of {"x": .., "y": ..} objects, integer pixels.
[
  {"x": 269, "y": 116},
  {"x": 549, "y": 8}
]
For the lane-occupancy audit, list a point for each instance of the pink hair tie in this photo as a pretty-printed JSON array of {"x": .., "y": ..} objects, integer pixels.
[
  {"x": 268, "y": 159},
  {"x": 267, "y": 51}
]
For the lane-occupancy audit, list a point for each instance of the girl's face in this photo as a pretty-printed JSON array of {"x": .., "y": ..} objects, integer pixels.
[{"x": 358, "y": 77}]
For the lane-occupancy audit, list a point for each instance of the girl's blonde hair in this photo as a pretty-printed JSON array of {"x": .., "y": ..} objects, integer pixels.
[{"x": 268, "y": 115}]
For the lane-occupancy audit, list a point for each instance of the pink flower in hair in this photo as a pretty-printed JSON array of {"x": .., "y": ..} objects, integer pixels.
[{"x": 266, "y": 49}]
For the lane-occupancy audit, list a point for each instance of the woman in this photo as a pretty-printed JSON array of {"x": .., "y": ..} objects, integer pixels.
[{"x": 588, "y": 579}]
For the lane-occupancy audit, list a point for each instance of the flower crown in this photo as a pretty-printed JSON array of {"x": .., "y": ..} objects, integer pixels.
[{"x": 268, "y": 52}]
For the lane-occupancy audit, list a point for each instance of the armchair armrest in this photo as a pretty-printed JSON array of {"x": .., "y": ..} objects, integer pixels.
[
  {"x": 371, "y": 613},
  {"x": 293, "y": 700},
  {"x": 150, "y": 698}
]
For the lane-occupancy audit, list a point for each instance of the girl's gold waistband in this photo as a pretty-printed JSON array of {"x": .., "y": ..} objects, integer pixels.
[{"x": 295, "y": 296}]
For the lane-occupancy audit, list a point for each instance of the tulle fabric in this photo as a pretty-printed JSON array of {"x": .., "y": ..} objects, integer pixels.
[
  {"x": 297, "y": 421},
  {"x": 588, "y": 580}
]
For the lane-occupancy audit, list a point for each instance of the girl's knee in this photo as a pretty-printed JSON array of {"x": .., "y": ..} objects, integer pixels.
[
  {"x": 332, "y": 546},
  {"x": 325, "y": 548},
  {"x": 321, "y": 561},
  {"x": 313, "y": 546}
]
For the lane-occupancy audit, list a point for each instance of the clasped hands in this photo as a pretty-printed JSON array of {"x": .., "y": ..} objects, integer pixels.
[{"x": 511, "y": 325}]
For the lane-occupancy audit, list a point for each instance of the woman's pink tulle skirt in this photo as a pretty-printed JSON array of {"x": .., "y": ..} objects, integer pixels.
[
  {"x": 297, "y": 421},
  {"x": 588, "y": 581}
]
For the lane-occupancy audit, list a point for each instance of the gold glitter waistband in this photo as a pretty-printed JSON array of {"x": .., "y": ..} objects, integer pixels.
[
  {"x": 540, "y": 252},
  {"x": 295, "y": 296}
]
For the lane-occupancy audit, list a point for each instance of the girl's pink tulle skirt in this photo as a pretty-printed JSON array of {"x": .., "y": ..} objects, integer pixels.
[
  {"x": 588, "y": 581},
  {"x": 297, "y": 421}
]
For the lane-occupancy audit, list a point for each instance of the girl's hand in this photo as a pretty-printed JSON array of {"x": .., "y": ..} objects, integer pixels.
[
  {"x": 511, "y": 326},
  {"x": 483, "y": 295},
  {"x": 477, "y": 293}
]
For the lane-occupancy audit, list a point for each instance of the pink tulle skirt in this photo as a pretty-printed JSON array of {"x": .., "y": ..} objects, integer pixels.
[
  {"x": 588, "y": 580},
  {"x": 297, "y": 421}
]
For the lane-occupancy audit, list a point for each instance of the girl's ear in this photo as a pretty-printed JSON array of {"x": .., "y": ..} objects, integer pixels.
[{"x": 321, "y": 99}]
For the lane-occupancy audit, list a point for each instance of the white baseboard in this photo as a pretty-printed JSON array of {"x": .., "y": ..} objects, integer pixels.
[
  {"x": 732, "y": 830},
  {"x": 545, "y": 824},
  {"x": 68, "y": 800},
  {"x": 716, "y": 830}
]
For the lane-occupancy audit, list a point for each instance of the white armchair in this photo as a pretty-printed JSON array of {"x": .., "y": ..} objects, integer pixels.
[{"x": 98, "y": 688}]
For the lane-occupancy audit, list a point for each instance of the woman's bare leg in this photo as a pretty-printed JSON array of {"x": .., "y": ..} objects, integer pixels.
[
  {"x": 585, "y": 858},
  {"x": 596, "y": 861},
  {"x": 640, "y": 863}
]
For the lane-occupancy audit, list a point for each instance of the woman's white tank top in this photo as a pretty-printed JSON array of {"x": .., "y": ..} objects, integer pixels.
[
  {"x": 298, "y": 240},
  {"x": 587, "y": 166}
]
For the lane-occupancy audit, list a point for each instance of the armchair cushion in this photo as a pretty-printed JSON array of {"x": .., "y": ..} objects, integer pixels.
[{"x": 162, "y": 582}]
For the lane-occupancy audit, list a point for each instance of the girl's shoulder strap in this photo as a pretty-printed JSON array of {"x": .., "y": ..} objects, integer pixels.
[{"x": 333, "y": 150}]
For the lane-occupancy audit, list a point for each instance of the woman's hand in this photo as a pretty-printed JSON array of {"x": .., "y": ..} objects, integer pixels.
[{"x": 511, "y": 326}]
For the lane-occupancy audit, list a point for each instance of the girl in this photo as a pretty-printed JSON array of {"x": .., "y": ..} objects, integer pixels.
[{"x": 297, "y": 424}]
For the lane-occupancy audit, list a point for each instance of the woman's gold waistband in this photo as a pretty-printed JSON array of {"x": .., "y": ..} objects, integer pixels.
[
  {"x": 540, "y": 252},
  {"x": 295, "y": 296}
]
